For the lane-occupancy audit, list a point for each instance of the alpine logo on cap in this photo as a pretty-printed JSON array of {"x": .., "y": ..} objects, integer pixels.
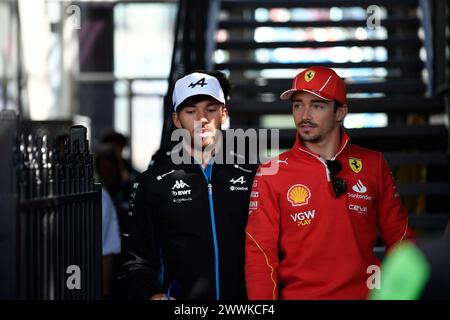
[
  {"x": 202, "y": 82},
  {"x": 309, "y": 75}
]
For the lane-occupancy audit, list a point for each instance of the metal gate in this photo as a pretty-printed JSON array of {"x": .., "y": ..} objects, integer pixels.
[{"x": 50, "y": 219}]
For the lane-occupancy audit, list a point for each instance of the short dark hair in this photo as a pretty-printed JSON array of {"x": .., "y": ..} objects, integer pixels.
[
  {"x": 337, "y": 105},
  {"x": 193, "y": 100}
]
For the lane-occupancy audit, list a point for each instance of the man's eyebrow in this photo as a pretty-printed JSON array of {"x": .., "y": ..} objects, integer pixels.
[
  {"x": 211, "y": 103},
  {"x": 313, "y": 100}
]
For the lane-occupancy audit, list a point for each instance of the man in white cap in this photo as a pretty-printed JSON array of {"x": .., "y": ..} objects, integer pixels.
[
  {"x": 185, "y": 232},
  {"x": 313, "y": 225}
]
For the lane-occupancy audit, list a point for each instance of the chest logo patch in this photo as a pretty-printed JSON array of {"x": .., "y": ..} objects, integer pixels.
[
  {"x": 298, "y": 195},
  {"x": 309, "y": 75},
  {"x": 303, "y": 218},
  {"x": 180, "y": 189},
  {"x": 355, "y": 164},
  {"x": 359, "y": 187}
]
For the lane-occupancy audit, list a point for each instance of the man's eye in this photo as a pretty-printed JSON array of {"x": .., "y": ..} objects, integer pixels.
[
  {"x": 212, "y": 110},
  {"x": 298, "y": 105},
  {"x": 318, "y": 106}
]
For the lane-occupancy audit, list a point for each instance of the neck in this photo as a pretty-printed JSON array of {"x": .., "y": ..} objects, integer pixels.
[
  {"x": 328, "y": 148},
  {"x": 202, "y": 155}
]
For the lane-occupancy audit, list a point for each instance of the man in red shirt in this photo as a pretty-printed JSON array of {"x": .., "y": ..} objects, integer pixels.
[{"x": 313, "y": 225}]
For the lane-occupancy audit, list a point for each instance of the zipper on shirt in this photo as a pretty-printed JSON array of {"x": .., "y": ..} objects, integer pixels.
[
  {"x": 213, "y": 227},
  {"x": 323, "y": 161},
  {"x": 216, "y": 247}
]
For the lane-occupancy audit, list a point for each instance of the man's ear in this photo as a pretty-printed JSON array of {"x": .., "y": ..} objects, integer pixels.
[
  {"x": 224, "y": 114},
  {"x": 176, "y": 120},
  {"x": 341, "y": 112}
]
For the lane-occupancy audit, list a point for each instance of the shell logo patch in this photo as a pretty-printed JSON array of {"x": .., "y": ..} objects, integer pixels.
[
  {"x": 309, "y": 75},
  {"x": 355, "y": 164},
  {"x": 298, "y": 195}
]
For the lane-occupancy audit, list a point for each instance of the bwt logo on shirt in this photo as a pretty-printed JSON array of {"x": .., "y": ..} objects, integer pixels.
[
  {"x": 180, "y": 184},
  {"x": 303, "y": 218}
]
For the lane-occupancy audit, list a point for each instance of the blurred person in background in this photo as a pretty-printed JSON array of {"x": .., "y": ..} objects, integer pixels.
[
  {"x": 119, "y": 142},
  {"x": 107, "y": 172},
  {"x": 111, "y": 244}
]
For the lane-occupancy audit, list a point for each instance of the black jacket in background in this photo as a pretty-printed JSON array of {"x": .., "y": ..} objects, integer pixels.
[{"x": 170, "y": 222}]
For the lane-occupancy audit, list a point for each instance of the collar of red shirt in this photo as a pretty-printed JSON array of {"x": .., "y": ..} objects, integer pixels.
[{"x": 299, "y": 146}]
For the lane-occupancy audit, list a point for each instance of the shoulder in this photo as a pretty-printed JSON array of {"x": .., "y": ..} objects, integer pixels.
[
  {"x": 284, "y": 155},
  {"x": 368, "y": 160},
  {"x": 358, "y": 151},
  {"x": 164, "y": 153},
  {"x": 276, "y": 166},
  {"x": 142, "y": 179}
]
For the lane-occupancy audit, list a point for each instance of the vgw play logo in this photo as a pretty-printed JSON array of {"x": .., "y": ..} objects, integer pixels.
[{"x": 303, "y": 218}]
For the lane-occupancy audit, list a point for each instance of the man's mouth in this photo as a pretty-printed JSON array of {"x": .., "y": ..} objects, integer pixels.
[
  {"x": 205, "y": 133},
  {"x": 307, "y": 126}
]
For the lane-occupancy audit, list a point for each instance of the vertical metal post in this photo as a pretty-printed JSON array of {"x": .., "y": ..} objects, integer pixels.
[
  {"x": 8, "y": 202},
  {"x": 210, "y": 39},
  {"x": 130, "y": 96},
  {"x": 440, "y": 43},
  {"x": 428, "y": 30},
  {"x": 97, "y": 237}
]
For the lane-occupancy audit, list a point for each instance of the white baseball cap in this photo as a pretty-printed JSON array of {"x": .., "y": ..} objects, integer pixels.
[{"x": 196, "y": 84}]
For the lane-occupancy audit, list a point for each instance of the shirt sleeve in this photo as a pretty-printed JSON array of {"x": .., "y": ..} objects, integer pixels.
[
  {"x": 261, "y": 249},
  {"x": 110, "y": 226},
  {"x": 140, "y": 274},
  {"x": 392, "y": 218}
]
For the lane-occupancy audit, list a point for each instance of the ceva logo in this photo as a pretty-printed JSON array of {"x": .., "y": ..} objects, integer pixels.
[{"x": 357, "y": 208}]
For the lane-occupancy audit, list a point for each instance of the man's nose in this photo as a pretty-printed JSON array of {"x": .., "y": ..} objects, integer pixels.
[
  {"x": 201, "y": 116},
  {"x": 306, "y": 113}
]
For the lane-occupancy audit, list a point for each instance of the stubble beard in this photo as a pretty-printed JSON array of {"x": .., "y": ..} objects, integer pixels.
[{"x": 311, "y": 138}]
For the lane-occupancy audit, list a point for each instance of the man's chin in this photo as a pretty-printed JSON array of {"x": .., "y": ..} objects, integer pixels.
[
  {"x": 207, "y": 141},
  {"x": 204, "y": 142},
  {"x": 309, "y": 137}
]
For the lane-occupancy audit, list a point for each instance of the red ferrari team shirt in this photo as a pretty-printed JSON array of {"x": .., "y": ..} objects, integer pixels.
[{"x": 303, "y": 242}]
